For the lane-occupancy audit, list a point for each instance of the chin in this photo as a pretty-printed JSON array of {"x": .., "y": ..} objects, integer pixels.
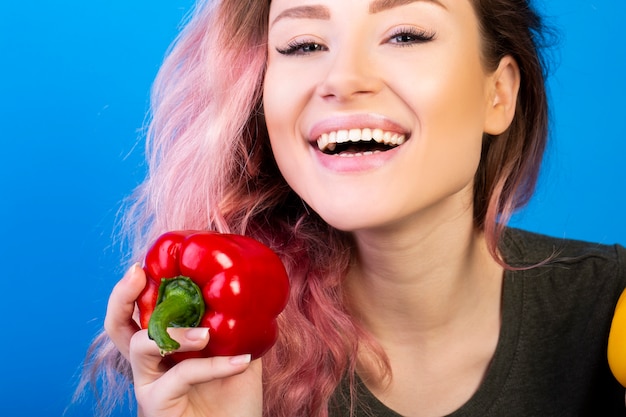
[{"x": 353, "y": 220}]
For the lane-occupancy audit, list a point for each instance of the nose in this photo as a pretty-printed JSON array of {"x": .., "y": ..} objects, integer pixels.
[{"x": 350, "y": 73}]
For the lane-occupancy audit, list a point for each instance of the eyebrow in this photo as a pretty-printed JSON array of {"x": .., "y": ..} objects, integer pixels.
[
  {"x": 323, "y": 13},
  {"x": 305, "y": 12},
  {"x": 378, "y": 6}
]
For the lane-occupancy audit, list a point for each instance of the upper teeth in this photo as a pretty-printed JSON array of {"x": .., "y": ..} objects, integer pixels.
[{"x": 328, "y": 141}]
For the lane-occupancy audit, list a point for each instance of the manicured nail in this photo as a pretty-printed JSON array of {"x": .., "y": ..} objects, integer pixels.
[
  {"x": 131, "y": 271},
  {"x": 240, "y": 360},
  {"x": 197, "y": 333}
]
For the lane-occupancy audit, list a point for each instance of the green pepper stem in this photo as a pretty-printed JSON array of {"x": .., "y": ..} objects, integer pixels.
[{"x": 179, "y": 304}]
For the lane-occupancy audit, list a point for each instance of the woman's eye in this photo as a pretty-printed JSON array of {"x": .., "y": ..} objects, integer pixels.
[
  {"x": 410, "y": 37},
  {"x": 301, "y": 48}
]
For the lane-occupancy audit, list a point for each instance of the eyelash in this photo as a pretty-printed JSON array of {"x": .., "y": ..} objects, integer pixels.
[
  {"x": 297, "y": 47},
  {"x": 411, "y": 36}
]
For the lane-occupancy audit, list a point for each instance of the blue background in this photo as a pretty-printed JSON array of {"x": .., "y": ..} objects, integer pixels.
[{"x": 74, "y": 82}]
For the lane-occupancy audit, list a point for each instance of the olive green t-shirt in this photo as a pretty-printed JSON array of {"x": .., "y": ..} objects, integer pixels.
[{"x": 551, "y": 355}]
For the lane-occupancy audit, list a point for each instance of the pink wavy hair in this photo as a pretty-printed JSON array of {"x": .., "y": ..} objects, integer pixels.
[{"x": 210, "y": 167}]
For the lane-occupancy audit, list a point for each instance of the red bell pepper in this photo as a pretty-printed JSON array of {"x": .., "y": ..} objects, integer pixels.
[{"x": 231, "y": 284}]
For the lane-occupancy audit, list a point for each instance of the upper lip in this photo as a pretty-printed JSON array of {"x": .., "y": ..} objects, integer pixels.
[{"x": 355, "y": 121}]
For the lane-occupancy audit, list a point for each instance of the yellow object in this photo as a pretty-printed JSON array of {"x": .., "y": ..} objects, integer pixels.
[{"x": 616, "y": 351}]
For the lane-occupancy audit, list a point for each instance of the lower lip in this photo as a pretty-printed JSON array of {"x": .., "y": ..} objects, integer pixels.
[{"x": 354, "y": 164}]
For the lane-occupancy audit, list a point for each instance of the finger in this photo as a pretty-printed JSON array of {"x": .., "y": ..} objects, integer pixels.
[
  {"x": 179, "y": 380},
  {"x": 145, "y": 356},
  {"x": 119, "y": 322}
]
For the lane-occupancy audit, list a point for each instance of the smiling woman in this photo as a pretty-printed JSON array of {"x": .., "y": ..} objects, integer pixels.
[
  {"x": 379, "y": 148},
  {"x": 403, "y": 70}
]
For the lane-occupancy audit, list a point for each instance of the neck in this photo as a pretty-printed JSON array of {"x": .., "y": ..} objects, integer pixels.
[{"x": 412, "y": 285}]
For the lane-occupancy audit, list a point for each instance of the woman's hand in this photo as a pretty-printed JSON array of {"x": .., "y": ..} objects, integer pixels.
[{"x": 205, "y": 387}]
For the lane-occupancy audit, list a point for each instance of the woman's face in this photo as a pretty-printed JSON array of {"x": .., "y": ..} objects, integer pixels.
[{"x": 376, "y": 109}]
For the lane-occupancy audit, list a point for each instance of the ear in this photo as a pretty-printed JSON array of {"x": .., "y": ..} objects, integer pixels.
[{"x": 504, "y": 86}]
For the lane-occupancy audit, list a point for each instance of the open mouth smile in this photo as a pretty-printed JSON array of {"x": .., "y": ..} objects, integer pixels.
[{"x": 358, "y": 142}]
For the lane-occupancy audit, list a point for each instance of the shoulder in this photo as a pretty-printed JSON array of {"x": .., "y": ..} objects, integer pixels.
[
  {"x": 558, "y": 310},
  {"x": 566, "y": 268},
  {"x": 524, "y": 248}
]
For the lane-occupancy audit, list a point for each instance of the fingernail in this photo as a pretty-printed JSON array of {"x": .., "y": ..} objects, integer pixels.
[
  {"x": 240, "y": 359},
  {"x": 131, "y": 271},
  {"x": 197, "y": 333}
]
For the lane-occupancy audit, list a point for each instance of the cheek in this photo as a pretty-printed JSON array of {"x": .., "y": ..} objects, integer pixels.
[
  {"x": 272, "y": 96},
  {"x": 287, "y": 91},
  {"x": 451, "y": 108},
  {"x": 281, "y": 109},
  {"x": 452, "y": 98},
  {"x": 283, "y": 102},
  {"x": 278, "y": 118}
]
